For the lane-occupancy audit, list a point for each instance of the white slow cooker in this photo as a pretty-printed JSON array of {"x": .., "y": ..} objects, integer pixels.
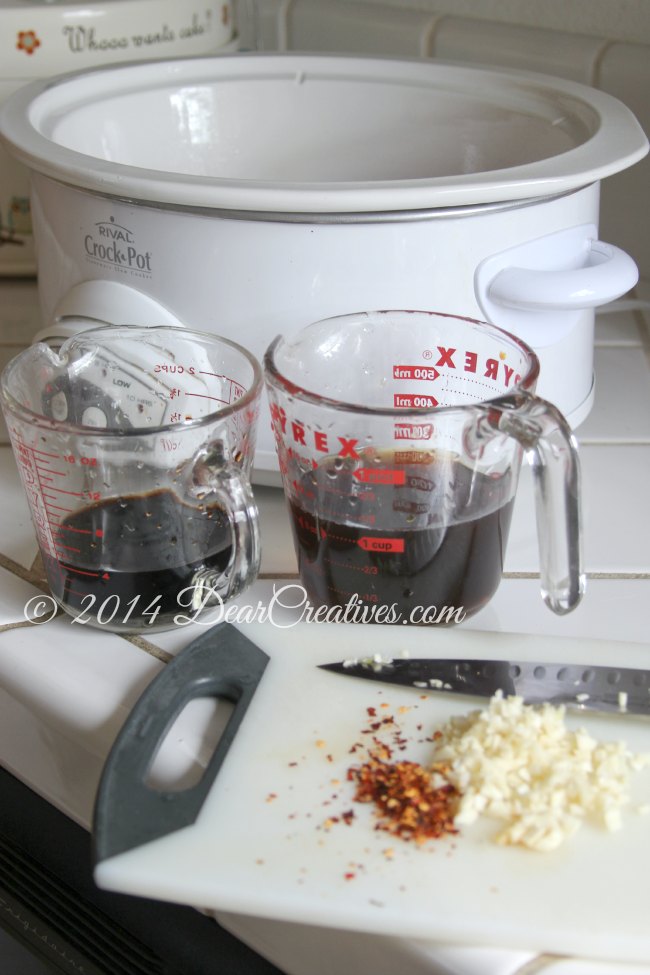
[
  {"x": 42, "y": 38},
  {"x": 254, "y": 193}
]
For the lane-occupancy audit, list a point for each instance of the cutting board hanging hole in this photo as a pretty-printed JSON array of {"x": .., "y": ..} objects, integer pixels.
[{"x": 181, "y": 760}]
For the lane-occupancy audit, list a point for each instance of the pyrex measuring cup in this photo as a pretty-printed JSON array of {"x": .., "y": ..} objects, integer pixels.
[
  {"x": 400, "y": 437},
  {"x": 135, "y": 446}
]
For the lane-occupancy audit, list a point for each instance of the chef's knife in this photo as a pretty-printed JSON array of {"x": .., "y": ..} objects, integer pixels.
[{"x": 616, "y": 689}]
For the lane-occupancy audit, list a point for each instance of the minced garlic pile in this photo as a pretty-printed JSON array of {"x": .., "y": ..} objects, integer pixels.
[{"x": 522, "y": 765}]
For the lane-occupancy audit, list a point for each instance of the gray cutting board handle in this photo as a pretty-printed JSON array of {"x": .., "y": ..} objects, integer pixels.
[{"x": 220, "y": 663}]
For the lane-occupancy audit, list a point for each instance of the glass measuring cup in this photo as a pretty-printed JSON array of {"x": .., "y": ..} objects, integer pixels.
[
  {"x": 135, "y": 446},
  {"x": 400, "y": 436}
]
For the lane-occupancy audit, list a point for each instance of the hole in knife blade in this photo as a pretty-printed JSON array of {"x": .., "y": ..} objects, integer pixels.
[
  {"x": 613, "y": 677},
  {"x": 187, "y": 748},
  {"x": 515, "y": 671},
  {"x": 539, "y": 673},
  {"x": 587, "y": 675}
]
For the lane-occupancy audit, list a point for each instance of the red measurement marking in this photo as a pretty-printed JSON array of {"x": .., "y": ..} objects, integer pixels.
[
  {"x": 370, "y": 544},
  {"x": 80, "y": 572},
  {"x": 44, "y": 453},
  {"x": 70, "y": 548},
  {"x": 50, "y": 470},
  {"x": 426, "y": 373},
  {"x": 368, "y": 570},
  {"x": 74, "y": 494},
  {"x": 205, "y": 396},
  {"x": 79, "y": 531},
  {"x": 56, "y": 507},
  {"x": 416, "y": 401},
  {"x": 370, "y": 475},
  {"x": 413, "y": 431},
  {"x": 337, "y": 538}
]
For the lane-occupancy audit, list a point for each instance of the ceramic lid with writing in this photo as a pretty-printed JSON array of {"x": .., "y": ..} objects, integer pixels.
[{"x": 39, "y": 38}]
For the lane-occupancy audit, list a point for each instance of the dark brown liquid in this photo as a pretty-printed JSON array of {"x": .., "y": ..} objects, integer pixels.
[
  {"x": 436, "y": 541},
  {"x": 135, "y": 555}
]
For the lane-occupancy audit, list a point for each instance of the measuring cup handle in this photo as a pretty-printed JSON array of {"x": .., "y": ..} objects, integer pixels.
[
  {"x": 551, "y": 450},
  {"x": 239, "y": 502}
]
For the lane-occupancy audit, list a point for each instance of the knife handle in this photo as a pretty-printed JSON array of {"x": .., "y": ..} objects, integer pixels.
[{"x": 221, "y": 663}]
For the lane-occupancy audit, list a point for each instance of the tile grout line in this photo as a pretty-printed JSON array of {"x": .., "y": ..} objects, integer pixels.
[
  {"x": 32, "y": 575},
  {"x": 140, "y": 643}
]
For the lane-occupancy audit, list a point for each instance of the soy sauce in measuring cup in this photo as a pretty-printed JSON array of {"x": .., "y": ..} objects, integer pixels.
[
  {"x": 139, "y": 560},
  {"x": 445, "y": 546}
]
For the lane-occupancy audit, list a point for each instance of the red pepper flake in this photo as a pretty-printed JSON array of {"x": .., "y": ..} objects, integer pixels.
[
  {"x": 271, "y": 796},
  {"x": 292, "y": 764},
  {"x": 407, "y": 804},
  {"x": 350, "y": 875},
  {"x": 347, "y": 817},
  {"x": 371, "y": 712}
]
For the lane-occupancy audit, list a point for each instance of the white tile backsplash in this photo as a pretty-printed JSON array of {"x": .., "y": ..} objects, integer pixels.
[
  {"x": 614, "y": 484},
  {"x": 262, "y": 24},
  {"x": 621, "y": 410},
  {"x": 340, "y": 26},
  {"x": 573, "y": 56},
  {"x": 628, "y": 20},
  {"x": 7, "y": 353},
  {"x": 18, "y": 539},
  {"x": 618, "y": 327},
  {"x": 20, "y": 312},
  {"x": 624, "y": 71}
]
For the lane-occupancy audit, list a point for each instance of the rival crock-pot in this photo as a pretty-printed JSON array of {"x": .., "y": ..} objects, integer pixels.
[{"x": 251, "y": 194}]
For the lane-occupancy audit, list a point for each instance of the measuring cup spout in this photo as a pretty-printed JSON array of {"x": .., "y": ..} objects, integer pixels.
[
  {"x": 551, "y": 450},
  {"x": 31, "y": 376}
]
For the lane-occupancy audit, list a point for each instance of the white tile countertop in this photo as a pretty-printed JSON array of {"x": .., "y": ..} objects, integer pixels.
[{"x": 65, "y": 690}]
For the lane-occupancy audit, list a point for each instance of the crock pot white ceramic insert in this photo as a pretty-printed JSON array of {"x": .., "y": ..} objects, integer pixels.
[
  {"x": 42, "y": 38},
  {"x": 252, "y": 194}
]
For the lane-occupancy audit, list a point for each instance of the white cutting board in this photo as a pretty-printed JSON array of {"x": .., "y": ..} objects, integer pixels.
[{"x": 260, "y": 845}]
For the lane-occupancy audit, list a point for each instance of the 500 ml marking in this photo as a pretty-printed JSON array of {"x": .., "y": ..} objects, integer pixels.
[{"x": 426, "y": 373}]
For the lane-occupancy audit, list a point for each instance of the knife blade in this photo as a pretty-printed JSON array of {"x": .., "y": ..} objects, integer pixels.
[{"x": 617, "y": 690}]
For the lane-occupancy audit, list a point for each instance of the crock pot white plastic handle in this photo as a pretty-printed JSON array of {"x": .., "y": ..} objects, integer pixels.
[{"x": 608, "y": 273}]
